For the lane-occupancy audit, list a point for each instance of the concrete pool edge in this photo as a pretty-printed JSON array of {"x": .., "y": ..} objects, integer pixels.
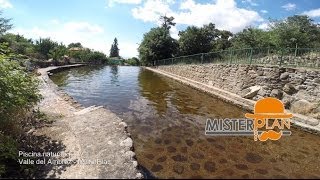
[
  {"x": 306, "y": 123},
  {"x": 100, "y": 140}
]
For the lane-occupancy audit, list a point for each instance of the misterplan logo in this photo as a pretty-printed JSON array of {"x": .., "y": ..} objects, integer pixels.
[{"x": 268, "y": 122}]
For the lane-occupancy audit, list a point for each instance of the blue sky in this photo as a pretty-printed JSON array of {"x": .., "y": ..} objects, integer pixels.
[{"x": 95, "y": 23}]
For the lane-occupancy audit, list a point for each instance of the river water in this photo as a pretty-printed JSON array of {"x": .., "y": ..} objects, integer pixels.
[{"x": 167, "y": 120}]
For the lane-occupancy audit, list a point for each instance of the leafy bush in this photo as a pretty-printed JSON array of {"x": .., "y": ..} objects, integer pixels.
[
  {"x": 8, "y": 152},
  {"x": 133, "y": 61},
  {"x": 18, "y": 90},
  {"x": 18, "y": 94}
]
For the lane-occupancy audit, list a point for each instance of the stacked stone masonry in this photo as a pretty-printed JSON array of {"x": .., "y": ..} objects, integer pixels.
[{"x": 299, "y": 89}]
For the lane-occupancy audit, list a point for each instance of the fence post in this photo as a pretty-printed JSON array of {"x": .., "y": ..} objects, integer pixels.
[
  {"x": 250, "y": 56},
  {"x": 230, "y": 56},
  {"x": 281, "y": 58},
  {"x": 201, "y": 58}
]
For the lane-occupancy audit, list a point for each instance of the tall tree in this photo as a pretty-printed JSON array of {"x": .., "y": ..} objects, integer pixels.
[
  {"x": 167, "y": 22},
  {"x": 157, "y": 44},
  {"x": 114, "y": 51},
  {"x": 4, "y": 24}
]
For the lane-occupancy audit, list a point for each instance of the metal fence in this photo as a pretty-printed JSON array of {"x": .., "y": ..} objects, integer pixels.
[{"x": 289, "y": 57}]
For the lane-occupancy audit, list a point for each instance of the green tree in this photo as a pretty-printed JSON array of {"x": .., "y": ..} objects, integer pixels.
[
  {"x": 167, "y": 22},
  {"x": 96, "y": 57},
  {"x": 44, "y": 46},
  {"x": 223, "y": 41},
  {"x": 157, "y": 44},
  {"x": 196, "y": 40},
  {"x": 4, "y": 24},
  {"x": 57, "y": 52},
  {"x": 133, "y": 61},
  {"x": 252, "y": 38},
  {"x": 18, "y": 44},
  {"x": 114, "y": 51},
  {"x": 295, "y": 30}
]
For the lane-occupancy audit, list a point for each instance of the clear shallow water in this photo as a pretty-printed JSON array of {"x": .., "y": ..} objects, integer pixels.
[{"x": 166, "y": 120}]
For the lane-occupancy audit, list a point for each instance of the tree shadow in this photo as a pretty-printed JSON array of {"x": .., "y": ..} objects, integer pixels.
[
  {"x": 43, "y": 144},
  {"x": 19, "y": 165}
]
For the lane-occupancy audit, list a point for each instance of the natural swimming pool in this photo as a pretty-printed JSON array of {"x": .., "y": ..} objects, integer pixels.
[{"x": 166, "y": 120}]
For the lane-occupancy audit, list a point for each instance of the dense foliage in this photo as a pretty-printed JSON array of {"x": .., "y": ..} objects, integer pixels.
[
  {"x": 298, "y": 31},
  {"x": 18, "y": 90},
  {"x": 18, "y": 95},
  {"x": 132, "y": 61},
  {"x": 196, "y": 40},
  {"x": 157, "y": 44}
]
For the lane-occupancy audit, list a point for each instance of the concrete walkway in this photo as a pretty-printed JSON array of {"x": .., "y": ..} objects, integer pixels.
[{"x": 94, "y": 137}]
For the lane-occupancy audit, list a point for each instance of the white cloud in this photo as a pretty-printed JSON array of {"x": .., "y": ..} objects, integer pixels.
[
  {"x": 84, "y": 27},
  {"x": 128, "y": 49},
  {"x": 313, "y": 13},
  {"x": 289, "y": 6},
  {"x": 263, "y": 11},
  {"x": 5, "y": 4},
  {"x": 264, "y": 26},
  {"x": 250, "y": 2},
  {"x": 223, "y": 13},
  {"x": 174, "y": 32},
  {"x": 151, "y": 10},
  {"x": 89, "y": 35},
  {"x": 112, "y": 2}
]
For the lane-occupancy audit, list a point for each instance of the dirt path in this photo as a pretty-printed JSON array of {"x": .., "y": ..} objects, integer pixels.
[{"x": 94, "y": 137}]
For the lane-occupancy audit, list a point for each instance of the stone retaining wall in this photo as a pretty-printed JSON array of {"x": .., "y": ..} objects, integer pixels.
[{"x": 299, "y": 89}]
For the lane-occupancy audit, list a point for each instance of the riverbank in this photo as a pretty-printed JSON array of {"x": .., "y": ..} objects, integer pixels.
[
  {"x": 94, "y": 137},
  {"x": 301, "y": 121}
]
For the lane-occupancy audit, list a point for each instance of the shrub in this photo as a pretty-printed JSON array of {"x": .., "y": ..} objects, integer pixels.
[
  {"x": 18, "y": 90},
  {"x": 18, "y": 94}
]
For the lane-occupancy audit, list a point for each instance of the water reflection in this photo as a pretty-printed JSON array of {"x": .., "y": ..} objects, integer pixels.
[
  {"x": 114, "y": 75},
  {"x": 82, "y": 73},
  {"x": 155, "y": 90},
  {"x": 166, "y": 120}
]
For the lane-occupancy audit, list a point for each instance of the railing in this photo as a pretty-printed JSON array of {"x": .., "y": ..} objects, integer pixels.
[{"x": 289, "y": 57}]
